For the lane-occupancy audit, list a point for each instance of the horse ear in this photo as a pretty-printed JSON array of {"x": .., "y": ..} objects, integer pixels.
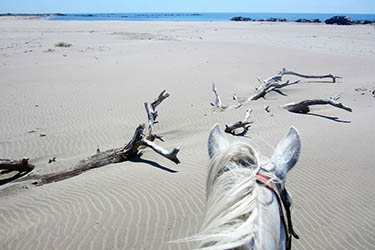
[
  {"x": 217, "y": 142},
  {"x": 286, "y": 153}
]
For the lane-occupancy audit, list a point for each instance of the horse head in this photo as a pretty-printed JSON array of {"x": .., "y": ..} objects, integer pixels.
[{"x": 248, "y": 206}]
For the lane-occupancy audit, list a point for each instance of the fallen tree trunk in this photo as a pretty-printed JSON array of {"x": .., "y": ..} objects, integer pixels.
[
  {"x": 112, "y": 156},
  {"x": 16, "y": 165},
  {"x": 139, "y": 141},
  {"x": 303, "y": 106},
  {"x": 230, "y": 129}
]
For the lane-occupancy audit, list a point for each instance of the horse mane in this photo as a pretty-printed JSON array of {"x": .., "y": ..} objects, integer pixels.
[{"x": 230, "y": 221}]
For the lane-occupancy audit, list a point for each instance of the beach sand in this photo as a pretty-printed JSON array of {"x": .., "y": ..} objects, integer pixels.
[{"x": 93, "y": 93}]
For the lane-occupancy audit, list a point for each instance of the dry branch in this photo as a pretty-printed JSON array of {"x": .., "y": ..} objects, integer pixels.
[
  {"x": 218, "y": 105},
  {"x": 289, "y": 72},
  {"x": 268, "y": 87},
  {"x": 162, "y": 96},
  {"x": 152, "y": 114},
  {"x": 16, "y": 165},
  {"x": 303, "y": 106},
  {"x": 150, "y": 117},
  {"x": 172, "y": 155},
  {"x": 273, "y": 83},
  {"x": 240, "y": 124}
]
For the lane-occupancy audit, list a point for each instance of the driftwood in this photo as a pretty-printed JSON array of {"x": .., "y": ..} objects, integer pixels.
[
  {"x": 273, "y": 83},
  {"x": 139, "y": 141},
  {"x": 16, "y": 165},
  {"x": 303, "y": 106},
  {"x": 111, "y": 156},
  {"x": 289, "y": 72},
  {"x": 267, "y": 87},
  {"x": 218, "y": 105},
  {"x": 152, "y": 114},
  {"x": 240, "y": 124}
]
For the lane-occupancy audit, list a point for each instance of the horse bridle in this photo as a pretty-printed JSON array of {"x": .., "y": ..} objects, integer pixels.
[{"x": 284, "y": 205}]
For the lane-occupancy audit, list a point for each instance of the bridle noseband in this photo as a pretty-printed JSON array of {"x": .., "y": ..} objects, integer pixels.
[{"x": 284, "y": 205}]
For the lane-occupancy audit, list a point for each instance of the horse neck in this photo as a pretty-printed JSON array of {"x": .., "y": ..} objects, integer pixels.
[{"x": 271, "y": 232}]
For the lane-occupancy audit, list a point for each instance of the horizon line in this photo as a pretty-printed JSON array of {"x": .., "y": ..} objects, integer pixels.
[{"x": 228, "y": 12}]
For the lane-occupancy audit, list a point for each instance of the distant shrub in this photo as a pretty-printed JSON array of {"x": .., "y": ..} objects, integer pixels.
[{"x": 63, "y": 45}]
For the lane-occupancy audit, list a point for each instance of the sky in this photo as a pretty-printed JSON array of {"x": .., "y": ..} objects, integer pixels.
[{"x": 123, "y": 6}]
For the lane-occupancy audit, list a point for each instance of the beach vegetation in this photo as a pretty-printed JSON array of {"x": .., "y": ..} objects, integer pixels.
[{"x": 63, "y": 45}]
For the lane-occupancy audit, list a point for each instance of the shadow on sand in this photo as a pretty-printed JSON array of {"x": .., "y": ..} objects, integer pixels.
[
  {"x": 12, "y": 178},
  {"x": 138, "y": 158},
  {"x": 332, "y": 118},
  {"x": 243, "y": 133}
]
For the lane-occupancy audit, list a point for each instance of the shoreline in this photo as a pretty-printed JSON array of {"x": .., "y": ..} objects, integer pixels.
[{"x": 193, "y": 17}]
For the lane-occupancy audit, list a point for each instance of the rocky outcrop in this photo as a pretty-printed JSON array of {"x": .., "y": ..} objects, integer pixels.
[
  {"x": 241, "y": 19},
  {"x": 273, "y": 19},
  {"x": 339, "y": 20},
  {"x": 303, "y": 20}
]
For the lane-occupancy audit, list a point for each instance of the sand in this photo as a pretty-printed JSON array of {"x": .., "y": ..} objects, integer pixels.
[{"x": 92, "y": 93}]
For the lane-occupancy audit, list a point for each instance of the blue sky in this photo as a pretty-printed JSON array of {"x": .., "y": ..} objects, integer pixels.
[{"x": 106, "y": 6}]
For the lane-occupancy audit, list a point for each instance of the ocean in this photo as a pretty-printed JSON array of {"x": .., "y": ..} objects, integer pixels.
[{"x": 201, "y": 16}]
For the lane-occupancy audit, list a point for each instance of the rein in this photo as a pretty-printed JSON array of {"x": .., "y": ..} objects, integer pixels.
[{"x": 284, "y": 205}]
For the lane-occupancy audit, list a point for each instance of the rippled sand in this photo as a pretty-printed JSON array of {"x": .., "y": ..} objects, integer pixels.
[{"x": 92, "y": 93}]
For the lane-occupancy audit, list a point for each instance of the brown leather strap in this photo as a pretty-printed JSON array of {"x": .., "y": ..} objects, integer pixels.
[{"x": 285, "y": 213}]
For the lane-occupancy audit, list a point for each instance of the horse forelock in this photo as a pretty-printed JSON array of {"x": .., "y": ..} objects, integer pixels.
[
  {"x": 238, "y": 155},
  {"x": 231, "y": 215}
]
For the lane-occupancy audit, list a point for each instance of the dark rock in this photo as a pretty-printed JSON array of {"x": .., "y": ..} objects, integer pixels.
[
  {"x": 241, "y": 19},
  {"x": 368, "y": 22},
  {"x": 56, "y": 14},
  {"x": 340, "y": 20},
  {"x": 303, "y": 20},
  {"x": 273, "y": 19}
]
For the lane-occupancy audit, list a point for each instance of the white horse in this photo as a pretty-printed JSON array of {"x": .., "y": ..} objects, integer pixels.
[{"x": 248, "y": 206}]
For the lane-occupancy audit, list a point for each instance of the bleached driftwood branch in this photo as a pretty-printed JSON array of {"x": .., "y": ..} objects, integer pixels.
[
  {"x": 150, "y": 118},
  {"x": 273, "y": 83},
  {"x": 171, "y": 155},
  {"x": 303, "y": 106},
  {"x": 140, "y": 140},
  {"x": 152, "y": 114},
  {"x": 289, "y": 72},
  {"x": 218, "y": 105},
  {"x": 240, "y": 124},
  {"x": 16, "y": 165},
  {"x": 268, "y": 87},
  {"x": 162, "y": 96}
]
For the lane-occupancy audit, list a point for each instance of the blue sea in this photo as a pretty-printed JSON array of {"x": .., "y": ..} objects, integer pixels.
[{"x": 177, "y": 16}]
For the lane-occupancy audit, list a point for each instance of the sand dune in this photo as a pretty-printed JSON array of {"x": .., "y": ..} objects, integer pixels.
[{"x": 92, "y": 93}]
